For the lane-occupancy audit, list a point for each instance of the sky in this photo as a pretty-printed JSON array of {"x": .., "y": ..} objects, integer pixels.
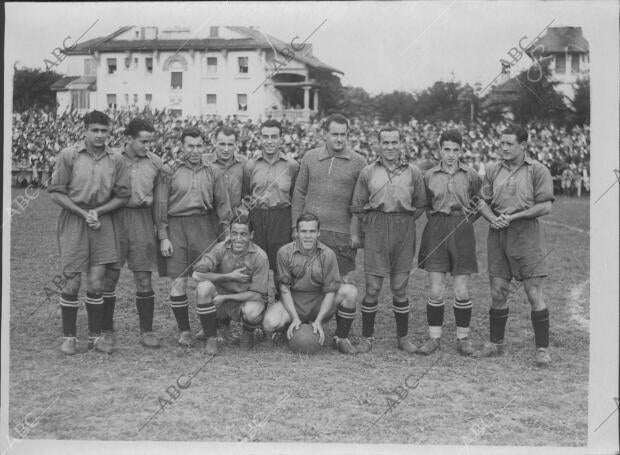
[{"x": 380, "y": 46}]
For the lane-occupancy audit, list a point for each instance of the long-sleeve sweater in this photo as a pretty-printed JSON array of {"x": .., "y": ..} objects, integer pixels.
[{"x": 325, "y": 185}]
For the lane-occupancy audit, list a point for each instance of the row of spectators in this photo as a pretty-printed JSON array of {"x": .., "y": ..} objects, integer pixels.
[{"x": 39, "y": 135}]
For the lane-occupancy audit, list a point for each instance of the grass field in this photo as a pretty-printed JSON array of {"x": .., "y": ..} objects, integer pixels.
[{"x": 271, "y": 394}]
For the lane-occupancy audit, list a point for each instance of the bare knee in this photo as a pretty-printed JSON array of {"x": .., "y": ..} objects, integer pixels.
[
  {"x": 205, "y": 289},
  {"x": 273, "y": 319},
  {"x": 499, "y": 293},
  {"x": 72, "y": 283},
  {"x": 347, "y": 296},
  {"x": 373, "y": 288},
  {"x": 178, "y": 287},
  {"x": 252, "y": 311},
  {"x": 143, "y": 281},
  {"x": 110, "y": 279}
]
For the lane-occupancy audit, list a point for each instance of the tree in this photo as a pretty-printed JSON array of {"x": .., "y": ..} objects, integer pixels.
[
  {"x": 537, "y": 97},
  {"x": 440, "y": 102},
  {"x": 581, "y": 103},
  {"x": 396, "y": 106},
  {"x": 31, "y": 88}
]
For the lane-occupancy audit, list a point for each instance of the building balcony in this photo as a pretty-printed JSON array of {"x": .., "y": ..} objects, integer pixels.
[{"x": 292, "y": 115}]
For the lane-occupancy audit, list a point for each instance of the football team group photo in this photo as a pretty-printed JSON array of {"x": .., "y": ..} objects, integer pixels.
[{"x": 332, "y": 230}]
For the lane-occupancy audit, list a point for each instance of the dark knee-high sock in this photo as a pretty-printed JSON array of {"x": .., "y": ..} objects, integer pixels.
[
  {"x": 207, "y": 314},
  {"x": 69, "y": 308},
  {"x": 401, "y": 314},
  {"x": 180, "y": 308},
  {"x": 462, "y": 316},
  {"x": 344, "y": 319},
  {"x": 369, "y": 311},
  {"x": 497, "y": 324},
  {"x": 540, "y": 321},
  {"x": 434, "y": 316},
  {"x": 94, "y": 309},
  {"x": 109, "y": 301},
  {"x": 145, "y": 303}
]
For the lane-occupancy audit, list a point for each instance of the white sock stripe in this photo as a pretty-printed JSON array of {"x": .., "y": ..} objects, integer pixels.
[
  {"x": 179, "y": 304},
  {"x": 140, "y": 297},
  {"x": 433, "y": 302},
  {"x": 370, "y": 309},
  {"x": 463, "y": 305},
  {"x": 397, "y": 309},
  {"x": 69, "y": 303},
  {"x": 346, "y": 315},
  {"x": 109, "y": 294},
  {"x": 207, "y": 310},
  {"x": 94, "y": 301}
]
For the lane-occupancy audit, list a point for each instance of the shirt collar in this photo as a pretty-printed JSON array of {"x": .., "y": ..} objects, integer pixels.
[
  {"x": 124, "y": 152},
  {"x": 281, "y": 156},
  {"x": 251, "y": 246},
  {"x": 218, "y": 161},
  {"x": 299, "y": 249},
  {"x": 439, "y": 168},
  {"x": 324, "y": 153},
  {"x": 107, "y": 150},
  {"x": 526, "y": 160}
]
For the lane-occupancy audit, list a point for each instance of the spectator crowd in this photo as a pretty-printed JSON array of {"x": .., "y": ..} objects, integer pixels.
[{"x": 39, "y": 135}]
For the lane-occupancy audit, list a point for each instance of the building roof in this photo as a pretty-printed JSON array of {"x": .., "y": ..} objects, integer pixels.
[
  {"x": 253, "y": 40},
  {"x": 62, "y": 83},
  {"x": 562, "y": 39}
]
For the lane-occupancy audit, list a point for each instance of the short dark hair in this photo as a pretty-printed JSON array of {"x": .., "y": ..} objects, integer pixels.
[
  {"x": 135, "y": 126},
  {"x": 97, "y": 117},
  {"x": 307, "y": 216},
  {"x": 241, "y": 217},
  {"x": 226, "y": 131},
  {"x": 519, "y": 132},
  {"x": 191, "y": 132},
  {"x": 336, "y": 118},
  {"x": 451, "y": 136},
  {"x": 271, "y": 123},
  {"x": 388, "y": 129}
]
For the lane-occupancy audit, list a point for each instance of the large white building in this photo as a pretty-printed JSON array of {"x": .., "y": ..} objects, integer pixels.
[{"x": 234, "y": 71}]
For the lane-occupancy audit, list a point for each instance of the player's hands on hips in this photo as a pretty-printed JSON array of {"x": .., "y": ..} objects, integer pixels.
[
  {"x": 166, "y": 248},
  {"x": 356, "y": 241},
  {"x": 317, "y": 327},
  {"x": 239, "y": 276},
  {"x": 294, "y": 326}
]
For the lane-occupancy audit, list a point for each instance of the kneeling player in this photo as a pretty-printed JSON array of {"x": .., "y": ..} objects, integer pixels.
[
  {"x": 311, "y": 289},
  {"x": 232, "y": 284}
]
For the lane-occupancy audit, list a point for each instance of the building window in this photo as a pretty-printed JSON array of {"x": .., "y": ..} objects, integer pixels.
[
  {"x": 135, "y": 98},
  {"x": 90, "y": 67},
  {"x": 111, "y": 101},
  {"x": 149, "y": 64},
  {"x": 111, "y": 65},
  {"x": 211, "y": 65},
  {"x": 243, "y": 65},
  {"x": 560, "y": 63},
  {"x": 137, "y": 34},
  {"x": 148, "y": 99},
  {"x": 79, "y": 99},
  {"x": 211, "y": 102},
  {"x": 176, "y": 112},
  {"x": 574, "y": 63},
  {"x": 127, "y": 63},
  {"x": 242, "y": 102},
  {"x": 176, "y": 80},
  {"x": 126, "y": 99}
]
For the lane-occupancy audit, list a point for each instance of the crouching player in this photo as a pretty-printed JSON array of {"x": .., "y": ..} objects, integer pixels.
[
  {"x": 311, "y": 289},
  {"x": 232, "y": 281}
]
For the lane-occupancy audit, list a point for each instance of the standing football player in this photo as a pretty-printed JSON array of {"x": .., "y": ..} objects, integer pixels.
[
  {"x": 227, "y": 160},
  {"x": 448, "y": 242},
  {"x": 311, "y": 289},
  {"x": 269, "y": 181},
  {"x": 518, "y": 190},
  {"x": 136, "y": 239},
  {"x": 325, "y": 185},
  {"x": 89, "y": 182},
  {"x": 192, "y": 208},
  {"x": 233, "y": 277},
  {"x": 389, "y": 196}
]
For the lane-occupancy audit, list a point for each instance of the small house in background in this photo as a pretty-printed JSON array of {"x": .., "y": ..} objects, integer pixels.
[{"x": 231, "y": 71}]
